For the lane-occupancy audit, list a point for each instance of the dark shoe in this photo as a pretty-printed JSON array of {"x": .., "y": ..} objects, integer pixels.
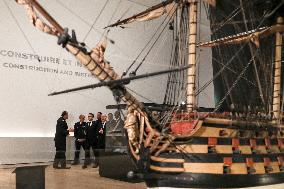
[
  {"x": 95, "y": 165},
  {"x": 84, "y": 166}
]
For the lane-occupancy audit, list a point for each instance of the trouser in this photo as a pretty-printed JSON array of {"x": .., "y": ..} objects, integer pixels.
[
  {"x": 78, "y": 148},
  {"x": 60, "y": 158},
  {"x": 88, "y": 148}
]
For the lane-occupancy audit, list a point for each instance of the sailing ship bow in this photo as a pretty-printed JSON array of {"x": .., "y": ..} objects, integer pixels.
[
  {"x": 94, "y": 62},
  {"x": 137, "y": 117}
]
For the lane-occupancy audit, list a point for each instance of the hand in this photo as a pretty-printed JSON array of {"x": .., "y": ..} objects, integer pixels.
[
  {"x": 101, "y": 131},
  {"x": 71, "y": 129}
]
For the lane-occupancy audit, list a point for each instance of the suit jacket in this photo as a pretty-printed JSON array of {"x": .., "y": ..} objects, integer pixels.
[
  {"x": 80, "y": 130},
  {"x": 61, "y": 134},
  {"x": 91, "y": 133},
  {"x": 101, "y": 136}
]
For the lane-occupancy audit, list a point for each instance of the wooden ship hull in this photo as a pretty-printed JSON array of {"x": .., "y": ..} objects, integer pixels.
[{"x": 218, "y": 157}]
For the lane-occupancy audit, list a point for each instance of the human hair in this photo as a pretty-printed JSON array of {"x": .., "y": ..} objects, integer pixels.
[
  {"x": 92, "y": 114},
  {"x": 100, "y": 113},
  {"x": 64, "y": 113}
]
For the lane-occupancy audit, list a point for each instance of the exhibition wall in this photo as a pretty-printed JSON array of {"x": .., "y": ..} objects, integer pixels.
[{"x": 32, "y": 65}]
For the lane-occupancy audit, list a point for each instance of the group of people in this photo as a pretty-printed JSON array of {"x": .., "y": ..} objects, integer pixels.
[{"x": 89, "y": 135}]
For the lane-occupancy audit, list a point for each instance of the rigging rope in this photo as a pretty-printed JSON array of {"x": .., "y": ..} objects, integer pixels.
[
  {"x": 135, "y": 92},
  {"x": 144, "y": 48},
  {"x": 137, "y": 3},
  {"x": 34, "y": 17},
  {"x": 78, "y": 16},
  {"x": 112, "y": 16},
  {"x": 251, "y": 52},
  {"x": 150, "y": 49},
  {"x": 169, "y": 75},
  {"x": 94, "y": 29},
  {"x": 198, "y": 55},
  {"x": 232, "y": 87},
  {"x": 219, "y": 72},
  {"x": 96, "y": 19},
  {"x": 222, "y": 68},
  {"x": 176, "y": 81},
  {"x": 18, "y": 25}
]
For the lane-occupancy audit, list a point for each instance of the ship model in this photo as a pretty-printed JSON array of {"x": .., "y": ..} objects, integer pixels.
[{"x": 237, "y": 144}]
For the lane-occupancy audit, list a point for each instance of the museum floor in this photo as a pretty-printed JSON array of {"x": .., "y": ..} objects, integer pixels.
[{"x": 72, "y": 178}]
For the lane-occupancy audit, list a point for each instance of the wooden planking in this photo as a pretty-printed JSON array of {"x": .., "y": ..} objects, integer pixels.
[
  {"x": 275, "y": 167},
  {"x": 207, "y": 131},
  {"x": 224, "y": 149},
  {"x": 245, "y": 149},
  {"x": 218, "y": 121},
  {"x": 214, "y": 132},
  {"x": 259, "y": 168},
  {"x": 217, "y": 168},
  {"x": 167, "y": 160},
  {"x": 275, "y": 149},
  {"x": 193, "y": 148},
  {"x": 214, "y": 168},
  {"x": 238, "y": 168},
  {"x": 167, "y": 169},
  {"x": 261, "y": 149}
]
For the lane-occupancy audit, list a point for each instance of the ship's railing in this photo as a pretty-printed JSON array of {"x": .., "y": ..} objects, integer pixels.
[
  {"x": 189, "y": 116},
  {"x": 185, "y": 123}
]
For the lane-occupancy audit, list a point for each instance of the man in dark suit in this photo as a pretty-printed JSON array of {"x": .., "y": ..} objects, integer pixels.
[
  {"x": 80, "y": 137},
  {"x": 102, "y": 132},
  {"x": 91, "y": 140},
  {"x": 62, "y": 132}
]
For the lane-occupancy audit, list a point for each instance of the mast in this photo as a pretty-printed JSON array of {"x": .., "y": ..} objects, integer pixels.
[
  {"x": 277, "y": 74},
  {"x": 92, "y": 65},
  {"x": 192, "y": 55},
  {"x": 49, "y": 18},
  {"x": 141, "y": 14}
]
